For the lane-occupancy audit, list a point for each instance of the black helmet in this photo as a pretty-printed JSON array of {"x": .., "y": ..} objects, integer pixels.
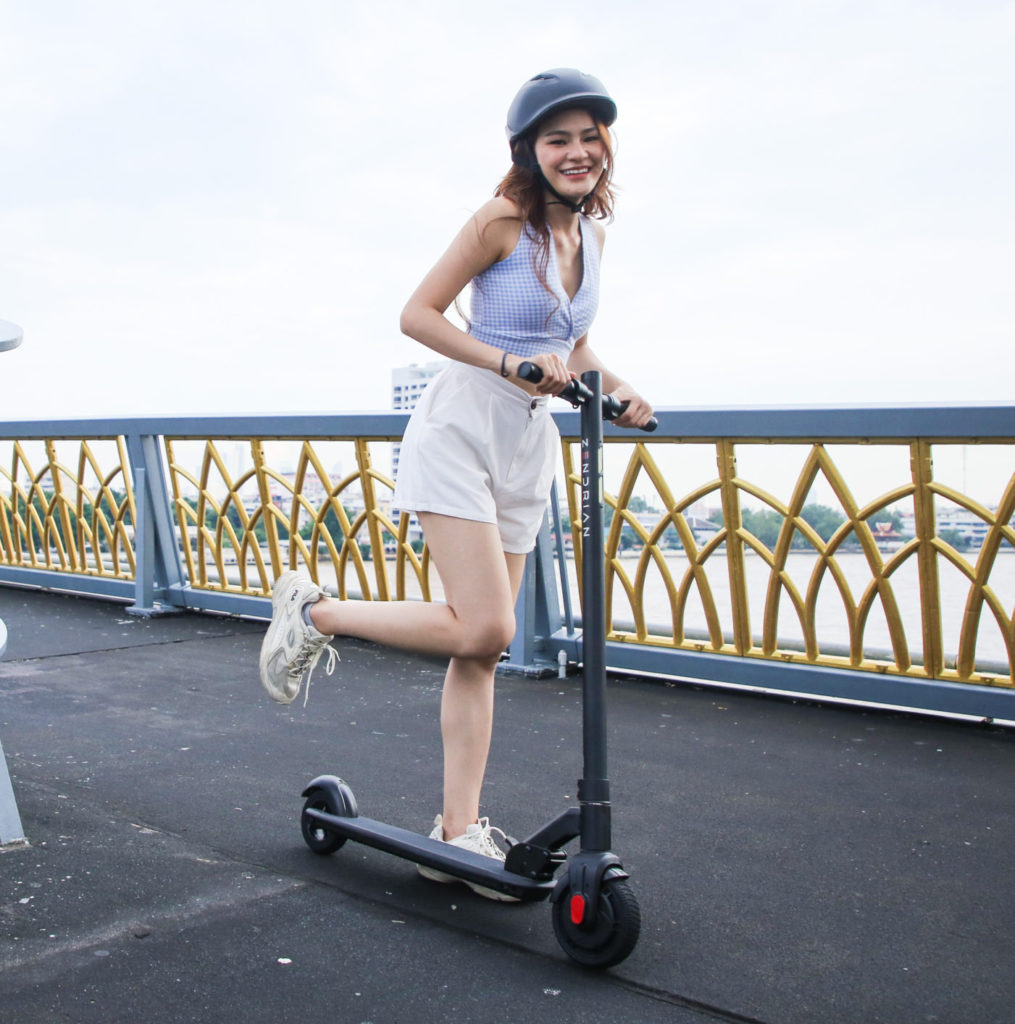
[{"x": 555, "y": 90}]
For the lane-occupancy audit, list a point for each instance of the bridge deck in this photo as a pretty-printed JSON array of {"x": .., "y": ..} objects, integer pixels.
[{"x": 794, "y": 862}]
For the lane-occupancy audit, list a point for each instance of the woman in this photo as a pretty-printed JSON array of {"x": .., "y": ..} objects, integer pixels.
[{"x": 478, "y": 454}]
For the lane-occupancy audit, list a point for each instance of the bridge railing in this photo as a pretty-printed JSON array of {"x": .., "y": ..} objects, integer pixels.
[{"x": 799, "y": 550}]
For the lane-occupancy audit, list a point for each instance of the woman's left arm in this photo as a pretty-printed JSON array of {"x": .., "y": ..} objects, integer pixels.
[{"x": 582, "y": 358}]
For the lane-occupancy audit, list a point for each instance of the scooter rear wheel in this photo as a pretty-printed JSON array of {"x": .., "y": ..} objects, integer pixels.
[
  {"x": 607, "y": 940},
  {"x": 316, "y": 834}
]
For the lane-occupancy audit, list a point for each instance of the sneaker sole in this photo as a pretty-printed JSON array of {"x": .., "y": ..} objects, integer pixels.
[
  {"x": 480, "y": 890},
  {"x": 269, "y": 643}
]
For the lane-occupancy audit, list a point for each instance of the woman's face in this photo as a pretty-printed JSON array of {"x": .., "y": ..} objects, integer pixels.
[{"x": 570, "y": 152}]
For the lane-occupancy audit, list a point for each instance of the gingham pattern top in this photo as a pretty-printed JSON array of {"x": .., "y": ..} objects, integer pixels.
[{"x": 513, "y": 311}]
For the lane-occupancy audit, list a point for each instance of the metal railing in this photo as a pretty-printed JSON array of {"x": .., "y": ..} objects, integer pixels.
[{"x": 718, "y": 568}]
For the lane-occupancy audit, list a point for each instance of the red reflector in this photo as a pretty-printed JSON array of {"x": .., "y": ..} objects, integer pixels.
[{"x": 577, "y": 908}]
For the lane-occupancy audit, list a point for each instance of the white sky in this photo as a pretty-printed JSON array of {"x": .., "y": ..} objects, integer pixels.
[{"x": 213, "y": 206}]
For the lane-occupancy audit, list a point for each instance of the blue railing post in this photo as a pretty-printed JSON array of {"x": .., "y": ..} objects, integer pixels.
[
  {"x": 144, "y": 547},
  {"x": 537, "y": 612},
  {"x": 160, "y": 586}
]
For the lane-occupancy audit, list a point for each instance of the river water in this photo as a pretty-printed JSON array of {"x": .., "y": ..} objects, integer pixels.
[{"x": 831, "y": 616}]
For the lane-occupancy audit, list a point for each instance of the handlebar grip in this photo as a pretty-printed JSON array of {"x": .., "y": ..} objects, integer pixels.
[
  {"x": 576, "y": 393},
  {"x": 620, "y": 407},
  {"x": 530, "y": 372}
]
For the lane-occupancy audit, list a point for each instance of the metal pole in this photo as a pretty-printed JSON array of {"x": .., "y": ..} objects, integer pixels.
[
  {"x": 594, "y": 788},
  {"x": 11, "y": 829}
]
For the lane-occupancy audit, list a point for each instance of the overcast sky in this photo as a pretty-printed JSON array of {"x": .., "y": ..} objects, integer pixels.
[{"x": 221, "y": 206}]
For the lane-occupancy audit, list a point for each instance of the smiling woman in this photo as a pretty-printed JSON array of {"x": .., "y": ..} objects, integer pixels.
[{"x": 478, "y": 455}]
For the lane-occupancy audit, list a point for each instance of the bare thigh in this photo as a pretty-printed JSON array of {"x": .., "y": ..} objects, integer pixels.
[{"x": 481, "y": 581}]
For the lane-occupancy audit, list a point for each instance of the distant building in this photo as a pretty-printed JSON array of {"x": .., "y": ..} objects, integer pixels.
[
  {"x": 408, "y": 382},
  {"x": 969, "y": 526}
]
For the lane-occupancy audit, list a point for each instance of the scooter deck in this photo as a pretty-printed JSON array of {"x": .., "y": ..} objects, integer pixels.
[{"x": 431, "y": 853}]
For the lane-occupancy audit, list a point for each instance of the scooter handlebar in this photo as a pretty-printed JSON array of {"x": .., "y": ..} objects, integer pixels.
[{"x": 577, "y": 394}]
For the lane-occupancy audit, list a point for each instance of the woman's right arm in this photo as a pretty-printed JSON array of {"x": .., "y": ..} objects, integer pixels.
[
  {"x": 488, "y": 237},
  {"x": 485, "y": 239}
]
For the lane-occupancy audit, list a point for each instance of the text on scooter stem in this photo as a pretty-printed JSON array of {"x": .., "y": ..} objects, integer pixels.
[{"x": 586, "y": 468}]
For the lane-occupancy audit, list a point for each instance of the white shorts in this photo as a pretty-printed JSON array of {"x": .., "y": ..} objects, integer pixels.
[{"x": 478, "y": 447}]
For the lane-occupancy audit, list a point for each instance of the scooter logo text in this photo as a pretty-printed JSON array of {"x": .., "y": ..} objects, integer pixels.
[{"x": 587, "y": 497}]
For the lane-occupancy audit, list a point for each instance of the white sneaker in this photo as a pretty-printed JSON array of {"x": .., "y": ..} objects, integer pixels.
[
  {"x": 291, "y": 647},
  {"x": 477, "y": 839}
]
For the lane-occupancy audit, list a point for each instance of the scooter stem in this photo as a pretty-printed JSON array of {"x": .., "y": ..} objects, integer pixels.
[{"x": 594, "y": 786}]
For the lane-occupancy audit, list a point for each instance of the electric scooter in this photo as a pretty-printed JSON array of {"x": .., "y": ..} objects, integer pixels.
[{"x": 596, "y": 916}]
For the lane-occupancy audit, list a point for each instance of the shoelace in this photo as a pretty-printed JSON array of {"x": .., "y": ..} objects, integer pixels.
[
  {"x": 490, "y": 848},
  {"x": 308, "y": 659}
]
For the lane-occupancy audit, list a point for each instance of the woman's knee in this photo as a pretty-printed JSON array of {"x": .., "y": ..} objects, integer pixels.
[{"x": 486, "y": 640}]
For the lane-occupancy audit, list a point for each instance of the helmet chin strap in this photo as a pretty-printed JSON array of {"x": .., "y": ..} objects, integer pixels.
[
  {"x": 527, "y": 159},
  {"x": 558, "y": 198}
]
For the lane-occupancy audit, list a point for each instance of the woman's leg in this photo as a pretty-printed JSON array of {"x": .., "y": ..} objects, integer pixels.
[
  {"x": 468, "y": 697},
  {"x": 477, "y": 618},
  {"x": 473, "y": 628}
]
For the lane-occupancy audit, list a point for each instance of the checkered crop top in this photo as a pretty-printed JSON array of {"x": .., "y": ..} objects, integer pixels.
[{"x": 511, "y": 309}]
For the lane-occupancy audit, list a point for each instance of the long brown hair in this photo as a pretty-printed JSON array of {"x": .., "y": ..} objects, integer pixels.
[{"x": 523, "y": 184}]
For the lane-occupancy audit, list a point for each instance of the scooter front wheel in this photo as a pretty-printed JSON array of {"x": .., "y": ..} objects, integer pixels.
[{"x": 607, "y": 940}]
